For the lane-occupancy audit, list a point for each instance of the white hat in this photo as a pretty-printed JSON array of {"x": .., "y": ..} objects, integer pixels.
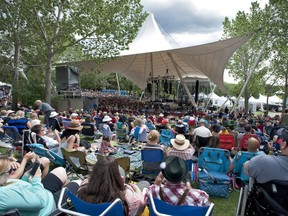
[
  {"x": 106, "y": 118},
  {"x": 35, "y": 122},
  {"x": 74, "y": 115},
  {"x": 180, "y": 142},
  {"x": 161, "y": 115},
  {"x": 53, "y": 114},
  {"x": 10, "y": 111}
]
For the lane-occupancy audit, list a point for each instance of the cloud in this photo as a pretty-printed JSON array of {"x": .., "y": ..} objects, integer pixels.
[
  {"x": 193, "y": 22},
  {"x": 183, "y": 16}
]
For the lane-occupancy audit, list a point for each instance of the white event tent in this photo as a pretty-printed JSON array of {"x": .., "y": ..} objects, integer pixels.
[{"x": 151, "y": 55}]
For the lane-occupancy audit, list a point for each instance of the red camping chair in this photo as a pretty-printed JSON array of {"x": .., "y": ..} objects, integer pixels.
[
  {"x": 226, "y": 141},
  {"x": 243, "y": 141}
]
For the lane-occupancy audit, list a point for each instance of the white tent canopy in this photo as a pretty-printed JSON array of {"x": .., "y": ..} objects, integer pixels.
[{"x": 151, "y": 56}]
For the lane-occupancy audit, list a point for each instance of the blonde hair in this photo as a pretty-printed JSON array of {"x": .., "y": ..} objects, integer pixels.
[
  {"x": 20, "y": 114},
  {"x": 4, "y": 163},
  {"x": 153, "y": 136},
  {"x": 139, "y": 122},
  {"x": 34, "y": 116}
]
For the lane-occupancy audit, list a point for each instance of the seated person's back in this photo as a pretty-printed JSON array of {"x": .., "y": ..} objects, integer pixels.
[
  {"x": 264, "y": 168},
  {"x": 174, "y": 170}
]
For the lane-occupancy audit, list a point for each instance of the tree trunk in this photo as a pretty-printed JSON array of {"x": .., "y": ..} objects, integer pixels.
[
  {"x": 48, "y": 75},
  {"x": 285, "y": 91},
  {"x": 246, "y": 95},
  {"x": 16, "y": 75}
]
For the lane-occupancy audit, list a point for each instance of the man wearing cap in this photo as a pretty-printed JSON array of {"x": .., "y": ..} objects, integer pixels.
[
  {"x": 265, "y": 168},
  {"x": 46, "y": 108},
  {"x": 174, "y": 191},
  {"x": 181, "y": 147}
]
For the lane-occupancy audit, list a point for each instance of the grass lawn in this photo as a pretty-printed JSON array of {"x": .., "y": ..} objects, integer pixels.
[{"x": 226, "y": 206}]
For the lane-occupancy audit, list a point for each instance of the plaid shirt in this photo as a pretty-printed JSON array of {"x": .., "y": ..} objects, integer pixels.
[
  {"x": 172, "y": 192},
  {"x": 184, "y": 154}
]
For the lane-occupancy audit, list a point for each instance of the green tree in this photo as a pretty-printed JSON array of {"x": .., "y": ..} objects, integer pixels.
[
  {"x": 249, "y": 61},
  {"x": 280, "y": 45},
  {"x": 101, "y": 28}
]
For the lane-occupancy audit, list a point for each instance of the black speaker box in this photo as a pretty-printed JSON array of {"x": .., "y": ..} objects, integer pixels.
[{"x": 67, "y": 77}]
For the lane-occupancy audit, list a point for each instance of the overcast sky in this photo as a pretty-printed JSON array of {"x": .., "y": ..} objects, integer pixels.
[{"x": 194, "y": 22}]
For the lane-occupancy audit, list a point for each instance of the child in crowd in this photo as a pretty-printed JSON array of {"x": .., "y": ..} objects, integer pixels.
[{"x": 106, "y": 147}]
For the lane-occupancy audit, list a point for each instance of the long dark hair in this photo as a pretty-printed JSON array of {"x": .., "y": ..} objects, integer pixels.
[
  {"x": 105, "y": 183},
  {"x": 68, "y": 132}
]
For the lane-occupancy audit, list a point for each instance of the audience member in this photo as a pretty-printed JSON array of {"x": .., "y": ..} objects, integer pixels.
[
  {"x": 174, "y": 171},
  {"x": 181, "y": 147},
  {"x": 31, "y": 195},
  {"x": 70, "y": 138},
  {"x": 106, "y": 130},
  {"x": 20, "y": 122},
  {"x": 140, "y": 131},
  {"x": 264, "y": 168},
  {"x": 106, "y": 184},
  {"x": 201, "y": 130},
  {"x": 46, "y": 109}
]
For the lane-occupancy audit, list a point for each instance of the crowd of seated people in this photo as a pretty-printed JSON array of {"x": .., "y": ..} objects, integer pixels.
[{"x": 185, "y": 128}]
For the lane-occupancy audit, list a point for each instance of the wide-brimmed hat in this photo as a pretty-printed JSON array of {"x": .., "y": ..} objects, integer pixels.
[
  {"x": 74, "y": 125},
  {"x": 106, "y": 118},
  {"x": 180, "y": 142},
  {"x": 174, "y": 169},
  {"x": 53, "y": 114},
  {"x": 10, "y": 111},
  {"x": 35, "y": 122},
  {"x": 74, "y": 115}
]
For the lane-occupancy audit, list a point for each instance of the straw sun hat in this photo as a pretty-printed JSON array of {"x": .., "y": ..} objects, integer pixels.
[
  {"x": 180, "y": 142},
  {"x": 74, "y": 125}
]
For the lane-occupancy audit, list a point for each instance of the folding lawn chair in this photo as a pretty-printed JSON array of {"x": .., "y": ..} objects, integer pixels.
[
  {"x": 165, "y": 136},
  {"x": 239, "y": 160},
  {"x": 77, "y": 162},
  {"x": 151, "y": 158},
  {"x": 85, "y": 209},
  {"x": 52, "y": 156},
  {"x": 14, "y": 134},
  {"x": 161, "y": 208},
  {"x": 243, "y": 141},
  {"x": 227, "y": 141}
]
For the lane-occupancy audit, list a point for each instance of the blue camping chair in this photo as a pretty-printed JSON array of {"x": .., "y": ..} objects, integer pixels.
[
  {"x": 239, "y": 159},
  {"x": 52, "y": 156},
  {"x": 214, "y": 159},
  {"x": 213, "y": 177},
  {"x": 13, "y": 133},
  {"x": 165, "y": 137},
  {"x": 161, "y": 208},
  {"x": 84, "y": 209},
  {"x": 149, "y": 156},
  {"x": 15, "y": 137}
]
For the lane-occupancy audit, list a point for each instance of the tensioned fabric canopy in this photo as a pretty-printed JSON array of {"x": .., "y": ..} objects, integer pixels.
[{"x": 151, "y": 55}]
